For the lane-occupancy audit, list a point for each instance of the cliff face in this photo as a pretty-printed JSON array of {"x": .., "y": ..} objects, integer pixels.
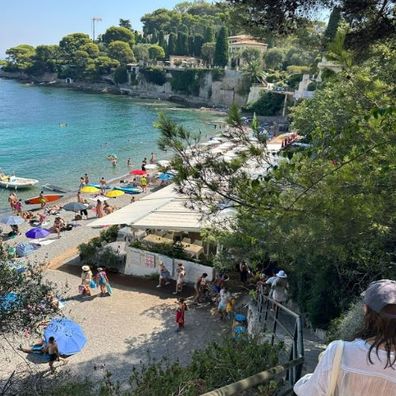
[{"x": 209, "y": 88}]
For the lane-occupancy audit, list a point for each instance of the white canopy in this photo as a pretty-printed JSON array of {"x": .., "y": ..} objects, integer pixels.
[{"x": 164, "y": 209}]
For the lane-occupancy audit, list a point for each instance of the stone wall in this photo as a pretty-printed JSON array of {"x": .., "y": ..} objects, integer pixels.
[{"x": 144, "y": 263}]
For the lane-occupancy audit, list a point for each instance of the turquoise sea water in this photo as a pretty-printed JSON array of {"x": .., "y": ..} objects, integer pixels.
[{"x": 35, "y": 141}]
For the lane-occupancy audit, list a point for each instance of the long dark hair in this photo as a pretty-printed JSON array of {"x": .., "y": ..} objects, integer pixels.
[{"x": 381, "y": 327}]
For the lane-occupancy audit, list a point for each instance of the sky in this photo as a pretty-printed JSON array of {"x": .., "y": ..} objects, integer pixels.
[{"x": 37, "y": 22}]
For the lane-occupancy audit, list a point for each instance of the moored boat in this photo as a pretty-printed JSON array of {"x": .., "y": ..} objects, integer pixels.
[{"x": 13, "y": 182}]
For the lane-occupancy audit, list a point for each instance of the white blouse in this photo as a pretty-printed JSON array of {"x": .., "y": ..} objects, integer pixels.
[{"x": 357, "y": 376}]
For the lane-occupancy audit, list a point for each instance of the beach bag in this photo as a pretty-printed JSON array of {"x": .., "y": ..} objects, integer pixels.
[
  {"x": 109, "y": 289},
  {"x": 81, "y": 289},
  {"x": 92, "y": 284}
]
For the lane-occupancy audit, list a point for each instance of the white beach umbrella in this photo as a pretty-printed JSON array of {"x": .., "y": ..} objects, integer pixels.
[
  {"x": 163, "y": 163},
  {"x": 151, "y": 166}
]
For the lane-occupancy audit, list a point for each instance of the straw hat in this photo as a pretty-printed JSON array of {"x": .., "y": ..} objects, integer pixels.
[
  {"x": 85, "y": 268},
  {"x": 99, "y": 269},
  {"x": 281, "y": 274}
]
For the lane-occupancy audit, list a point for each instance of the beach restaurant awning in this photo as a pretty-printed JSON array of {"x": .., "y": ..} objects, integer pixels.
[{"x": 164, "y": 209}]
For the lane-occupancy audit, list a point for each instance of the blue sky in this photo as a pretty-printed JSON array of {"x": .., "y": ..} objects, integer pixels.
[{"x": 47, "y": 21}]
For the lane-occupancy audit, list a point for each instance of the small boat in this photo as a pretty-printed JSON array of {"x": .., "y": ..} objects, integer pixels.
[
  {"x": 129, "y": 190},
  {"x": 48, "y": 198},
  {"x": 15, "y": 183},
  {"x": 52, "y": 187}
]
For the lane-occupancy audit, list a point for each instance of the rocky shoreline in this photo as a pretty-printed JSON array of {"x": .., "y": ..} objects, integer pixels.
[{"x": 50, "y": 80}]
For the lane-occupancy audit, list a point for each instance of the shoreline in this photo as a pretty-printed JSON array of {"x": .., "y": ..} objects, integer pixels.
[{"x": 185, "y": 101}]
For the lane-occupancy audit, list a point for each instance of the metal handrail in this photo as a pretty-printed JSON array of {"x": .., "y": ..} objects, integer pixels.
[
  {"x": 292, "y": 369},
  {"x": 254, "y": 380}
]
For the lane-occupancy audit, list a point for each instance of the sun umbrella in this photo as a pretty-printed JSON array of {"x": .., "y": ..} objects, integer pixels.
[
  {"x": 137, "y": 172},
  {"x": 11, "y": 220},
  {"x": 89, "y": 189},
  {"x": 165, "y": 176},
  {"x": 114, "y": 193},
  {"x": 24, "y": 249},
  {"x": 68, "y": 335},
  {"x": 163, "y": 163},
  {"x": 151, "y": 166},
  {"x": 37, "y": 232},
  {"x": 7, "y": 301},
  {"x": 100, "y": 198},
  {"x": 74, "y": 206}
]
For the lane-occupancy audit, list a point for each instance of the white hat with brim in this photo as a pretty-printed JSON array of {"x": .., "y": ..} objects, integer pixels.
[
  {"x": 281, "y": 274},
  {"x": 85, "y": 268}
]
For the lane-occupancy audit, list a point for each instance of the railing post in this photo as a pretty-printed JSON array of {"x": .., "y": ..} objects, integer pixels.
[{"x": 274, "y": 325}]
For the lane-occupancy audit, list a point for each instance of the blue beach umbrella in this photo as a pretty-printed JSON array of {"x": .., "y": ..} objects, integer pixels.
[
  {"x": 165, "y": 176},
  {"x": 68, "y": 335},
  {"x": 24, "y": 249},
  {"x": 11, "y": 220},
  {"x": 37, "y": 232},
  {"x": 7, "y": 301}
]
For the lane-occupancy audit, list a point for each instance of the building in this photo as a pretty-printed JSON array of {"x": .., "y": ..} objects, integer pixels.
[{"x": 238, "y": 44}]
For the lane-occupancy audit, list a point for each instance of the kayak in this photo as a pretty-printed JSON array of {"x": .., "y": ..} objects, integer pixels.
[
  {"x": 48, "y": 198},
  {"x": 129, "y": 190},
  {"x": 107, "y": 187}
]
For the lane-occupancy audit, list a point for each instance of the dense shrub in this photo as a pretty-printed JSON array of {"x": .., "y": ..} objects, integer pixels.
[
  {"x": 269, "y": 104},
  {"x": 217, "y": 365},
  {"x": 121, "y": 75},
  {"x": 154, "y": 75},
  {"x": 187, "y": 81}
]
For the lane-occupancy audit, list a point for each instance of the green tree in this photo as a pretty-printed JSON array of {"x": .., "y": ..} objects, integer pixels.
[
  {"x": 121, "y": 75},
  {"x": 91, "y": 48},
  {"x": 221, "y": 50},
  {"x": 156, "y": 52},
  {"x": 162, "y": 41},
  {"x": 198, "y": 42},
  {"x": 274, "y": 58},
  {"x": 72, "y": 43},
  {"x": 125, "y": 23},
  {"x": 181, "y": 44},
  {"x": 207, "y": 53},
  {"x": 191, "y": 45},
  {"x": 20, "y": 57},
  {"x": 105, "y": 64},
  {"x": 117, "y": 33},
  {"x": 209, "y": 36},
  {"x": 121, "y": 51},
  {"x": 141, "y": 52},
  {"x": 45, "y": 60},
  {"x": 172, "y": 44}
]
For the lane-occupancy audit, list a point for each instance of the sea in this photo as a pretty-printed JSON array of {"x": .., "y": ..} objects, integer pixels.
[{"x": 56, "y": 135}]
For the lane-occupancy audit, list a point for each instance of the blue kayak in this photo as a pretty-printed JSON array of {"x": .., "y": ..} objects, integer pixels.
[{"x": 129, "y": 190}]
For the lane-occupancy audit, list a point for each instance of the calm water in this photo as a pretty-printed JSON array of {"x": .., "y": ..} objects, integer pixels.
[{"x": 56, "y": 135}]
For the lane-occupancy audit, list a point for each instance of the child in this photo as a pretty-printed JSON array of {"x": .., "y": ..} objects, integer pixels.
[
  {"x": 18, "y": 207},
  {"x": 230, "y": 308},
  {"x": 181, "y": 309},
  {"x": 53, "y": 353}
]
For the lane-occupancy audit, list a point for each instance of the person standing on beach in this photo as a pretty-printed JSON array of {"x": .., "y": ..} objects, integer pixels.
[
  {"x": 181, "y": 309},
  {"x": 42, "y": 200},
  {"x": 18, "y": 207},
  {"x": 181, "y": 274},
  {"x": 86, "y": 277},
  {"x": 99, "y": 209},
  {"x": 143, "y": 183},
  {"x": 12, "y": 199},
  {"x": 82, "y": 183},
  {"x": 53, "y": 353},
  {"x": 102, "y": 281},
  {"x": 102, "y": 183},
  {"x": 144, "y": 163},
  {"x": 86, "y": 179}
]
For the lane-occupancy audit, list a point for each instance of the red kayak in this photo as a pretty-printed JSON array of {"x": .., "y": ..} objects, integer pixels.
[{"x": 48, "y": 198}]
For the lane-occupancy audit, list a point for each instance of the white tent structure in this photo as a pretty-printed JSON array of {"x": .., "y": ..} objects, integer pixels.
[{"x": 164, "y": 209}]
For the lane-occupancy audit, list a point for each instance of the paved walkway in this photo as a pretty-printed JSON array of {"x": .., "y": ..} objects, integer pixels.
[{"x": 136, "y": 324}]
